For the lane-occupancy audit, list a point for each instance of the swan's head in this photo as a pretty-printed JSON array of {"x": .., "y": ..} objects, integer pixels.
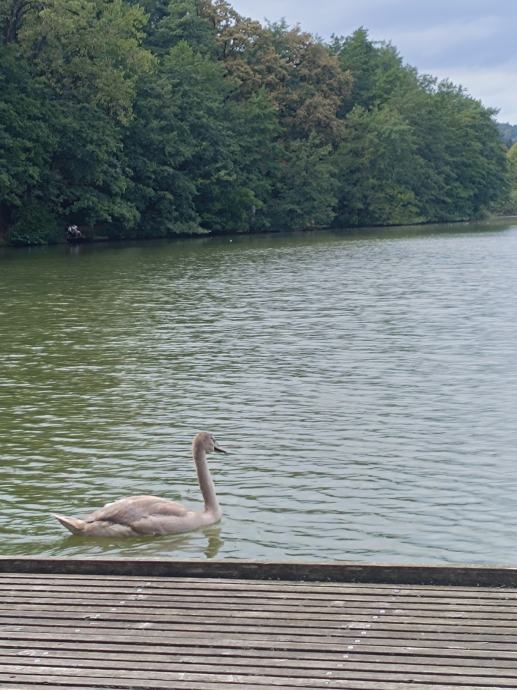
[{"x": 207, "y": 442}]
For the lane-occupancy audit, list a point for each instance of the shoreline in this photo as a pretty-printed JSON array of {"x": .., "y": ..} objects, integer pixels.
[{"x": 355, "y": 229}]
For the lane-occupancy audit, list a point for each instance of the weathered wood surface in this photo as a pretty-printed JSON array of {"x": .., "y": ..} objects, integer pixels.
[{"x": 82, "y": 626}]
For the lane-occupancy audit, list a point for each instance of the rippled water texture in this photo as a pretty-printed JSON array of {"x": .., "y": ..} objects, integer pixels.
[{"x": 366, "y": 384}]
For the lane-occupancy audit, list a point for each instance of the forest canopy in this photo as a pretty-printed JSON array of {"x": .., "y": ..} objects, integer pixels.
[{"x": 165, "y": 117}]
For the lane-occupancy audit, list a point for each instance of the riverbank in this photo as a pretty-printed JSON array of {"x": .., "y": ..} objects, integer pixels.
[{"x": 92, "y": 238}]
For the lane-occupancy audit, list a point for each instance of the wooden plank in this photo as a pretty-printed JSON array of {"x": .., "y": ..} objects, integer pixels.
[
  {"x": 274, "y": 597},
  {"x": 172, "y": 678},
  {"x": 295, "y": 643},
  {"x": 102, "y": 648},
  {"x": 20, "y": 682},
  {"x": 269, "y": 657},
  {"x": 281, "y": 589},
  {"x": 270, "y": 636},
  {"x": 315, "y": 596},
  {"x": 245, "y": 620},
  {"x": 278, "y": 629},
  {"x": 92, "y": 683},
  {"x": 148, "y": 598},
  {"x": 267, "y": 570},
  {"x": 125, "y": 582},
  {"x": 338, "y": 619},
  {"x": 329, "y": 607},
  {"x": 14, "y": 683},
  {"x": 340, "y": 670},
  {"x": 85, "y": 607},
  {"x": 337, "y": 612}
]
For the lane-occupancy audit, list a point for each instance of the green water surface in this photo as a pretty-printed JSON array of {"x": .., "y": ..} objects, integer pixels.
[{"x": 365, "y": 383}]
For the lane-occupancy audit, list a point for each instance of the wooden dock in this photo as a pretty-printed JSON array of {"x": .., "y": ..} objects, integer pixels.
[{"x": 83, "y": 624}]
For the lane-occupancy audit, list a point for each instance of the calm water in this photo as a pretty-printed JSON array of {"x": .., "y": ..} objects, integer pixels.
[{"x": 366, "y": 384}]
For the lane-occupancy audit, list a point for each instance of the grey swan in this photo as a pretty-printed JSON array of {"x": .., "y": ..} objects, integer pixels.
[{"x": 152, "y": 515}]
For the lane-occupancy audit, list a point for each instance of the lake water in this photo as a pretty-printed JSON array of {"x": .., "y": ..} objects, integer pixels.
[{"x": 365, "y": 383}]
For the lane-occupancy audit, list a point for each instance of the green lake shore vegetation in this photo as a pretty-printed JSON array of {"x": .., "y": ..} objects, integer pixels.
[{"x": 170, "y": 117}]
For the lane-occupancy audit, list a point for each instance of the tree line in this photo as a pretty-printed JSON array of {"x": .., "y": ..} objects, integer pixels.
[{"x": 164, "y": 117}]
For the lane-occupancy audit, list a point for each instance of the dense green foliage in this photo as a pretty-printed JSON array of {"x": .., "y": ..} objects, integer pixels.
[
  {"x": 509, "y": 204},
  {"x": 180, "y": 116}
]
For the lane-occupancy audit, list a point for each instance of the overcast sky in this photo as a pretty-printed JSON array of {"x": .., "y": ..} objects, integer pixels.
[{"x": 472, "y": 42}]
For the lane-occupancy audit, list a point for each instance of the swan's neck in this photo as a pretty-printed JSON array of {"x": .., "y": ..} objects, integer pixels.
[{"x": 206, "y": 483}]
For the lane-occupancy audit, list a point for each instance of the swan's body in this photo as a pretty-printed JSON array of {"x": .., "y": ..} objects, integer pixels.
[{"x": 148, "y": 515}]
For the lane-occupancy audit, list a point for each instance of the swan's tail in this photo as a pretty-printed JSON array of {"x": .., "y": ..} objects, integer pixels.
[{"x": 75, "y": 525}]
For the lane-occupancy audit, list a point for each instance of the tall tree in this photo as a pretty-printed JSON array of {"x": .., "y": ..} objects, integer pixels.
[
  {"x": 89, "y": 51},
  {"x": 86, "y": 56},
  {"x": 375, "y": 68},
  {"x": 379, "y": 170},
  {"x": 304, "y": 193},
  {"x": 465, "y": 169},
  {"x": 27, "y": 144}
]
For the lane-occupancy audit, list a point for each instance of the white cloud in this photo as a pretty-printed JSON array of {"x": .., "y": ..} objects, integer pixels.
[
  {"x": 437, "y": 40},
  {"x": 495, "y": 87}
]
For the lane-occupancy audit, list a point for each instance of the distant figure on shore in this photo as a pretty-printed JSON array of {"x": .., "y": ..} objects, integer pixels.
[{"x": 73, "y": 233}]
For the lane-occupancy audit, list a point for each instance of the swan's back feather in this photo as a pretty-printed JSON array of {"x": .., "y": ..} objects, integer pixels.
[{"x": 131, "y": 510}]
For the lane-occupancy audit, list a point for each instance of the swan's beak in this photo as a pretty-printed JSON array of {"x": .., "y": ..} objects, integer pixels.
[{"x": 218, "y": 448}]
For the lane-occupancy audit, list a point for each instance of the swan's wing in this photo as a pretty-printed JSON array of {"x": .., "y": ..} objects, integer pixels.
[{"x": 131, "y": 510}]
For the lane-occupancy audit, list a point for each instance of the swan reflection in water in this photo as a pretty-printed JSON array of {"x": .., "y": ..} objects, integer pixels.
[{"x": 129, "y": 547}]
